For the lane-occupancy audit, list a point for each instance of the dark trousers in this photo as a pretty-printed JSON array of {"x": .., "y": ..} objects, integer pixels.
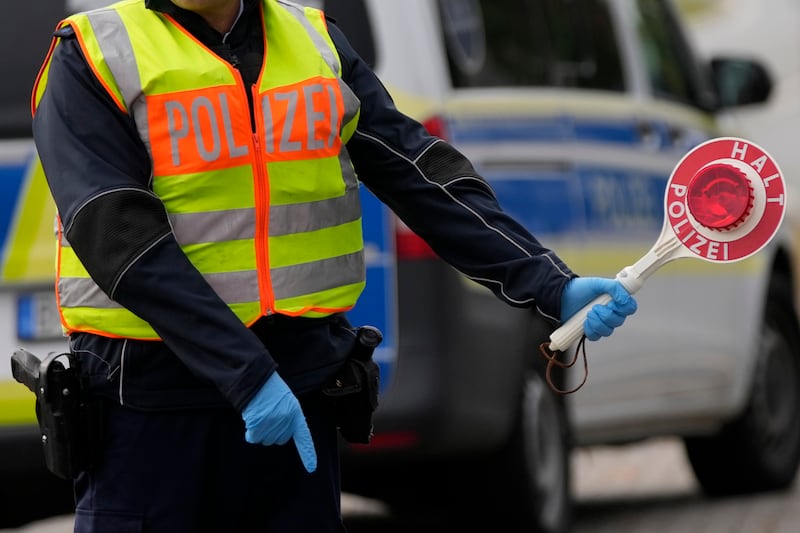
[{"x": 192, "y": 472}]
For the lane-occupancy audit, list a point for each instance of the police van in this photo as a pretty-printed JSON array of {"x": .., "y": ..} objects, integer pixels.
[{"x": 576, "y": 113}]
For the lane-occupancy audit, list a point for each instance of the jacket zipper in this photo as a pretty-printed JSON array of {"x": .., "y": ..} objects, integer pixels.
[{"x": 262, "y": 207}]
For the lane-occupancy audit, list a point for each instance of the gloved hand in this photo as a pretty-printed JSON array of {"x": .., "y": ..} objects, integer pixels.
[
  {"x": 601, "y": 319},
  {"x": 274, "y": 416}
]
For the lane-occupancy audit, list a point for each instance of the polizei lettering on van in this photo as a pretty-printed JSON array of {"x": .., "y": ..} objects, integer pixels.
[{"x": 210, "y": 128}]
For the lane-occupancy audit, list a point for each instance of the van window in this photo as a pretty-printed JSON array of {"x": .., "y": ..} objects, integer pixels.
[
  {"x": 24, "y": 44},
  {"x": 672, "y": 69},
  {"x": 352, "y": 18},
  {"x": 549, "y": 43}
]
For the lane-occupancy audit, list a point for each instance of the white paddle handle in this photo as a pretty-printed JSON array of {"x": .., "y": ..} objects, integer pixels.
[
  {"x": 631, "y": 277},
  {"x": 571, "y": 330}
]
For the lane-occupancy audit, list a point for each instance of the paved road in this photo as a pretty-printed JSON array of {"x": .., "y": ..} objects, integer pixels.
[
  {"x": 643, "y": 488},
  {"x": 650, "y": 488}
]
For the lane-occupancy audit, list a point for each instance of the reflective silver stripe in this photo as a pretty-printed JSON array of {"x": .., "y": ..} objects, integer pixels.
[
  {"x": 235, "y": 287},
  {"x": 237, "y": 224},
  {"x": 312, "y": 216},
  {"x": 348, "y": 172},
  {"x": 139, "y": 113},
  {"x": 318, "y": 276},
  {"x": 117, "y": 50},
  {"x": 83, "y": 292},
  {"x": 217, "y": 226},
  {"x": 232, "y": 287},
  {"x": 240, "y": 287},
  {"x": 351, "y": 102},
  {"x": 322, "y": 45}
]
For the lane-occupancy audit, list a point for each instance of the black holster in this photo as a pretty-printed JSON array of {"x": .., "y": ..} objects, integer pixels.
[
  {"x": 69, "y": 422},
  {"x": 354, "y": 388}
]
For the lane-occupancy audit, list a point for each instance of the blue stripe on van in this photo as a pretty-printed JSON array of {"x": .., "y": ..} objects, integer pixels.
[
  {"x": 622, "y": 202},
  {"x": 551, "y": 129},
  {"x": 546, "y": 205},
  {"x": 625, "y": 132},
  {"x": 580, "y": 198},
  {"x": 509, "y": 129},
  {"x": 11, "y": 178},
  {"x": 585, "y": 199}
]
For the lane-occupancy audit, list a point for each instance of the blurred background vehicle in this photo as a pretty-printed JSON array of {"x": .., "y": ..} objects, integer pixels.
[
  {"x": 28, "y": 314},
  {"x": 576, "y": 113}
]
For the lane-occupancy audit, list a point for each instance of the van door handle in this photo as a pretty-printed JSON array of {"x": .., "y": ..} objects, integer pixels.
[
  {"x": 676, "y": 136},
  {"x": 648, "y": 135}
]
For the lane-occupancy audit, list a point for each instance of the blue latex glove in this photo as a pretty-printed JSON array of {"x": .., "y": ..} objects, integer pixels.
[
  {"x": 274, "y": 416},
  {"x": 601, "y": 319}
]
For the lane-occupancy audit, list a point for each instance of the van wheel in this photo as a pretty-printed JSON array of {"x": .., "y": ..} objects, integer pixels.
[
  {"x": 523, "y": 485},
  {"x": 529, "y": 477},
  {"x": 760, "y": 450}
]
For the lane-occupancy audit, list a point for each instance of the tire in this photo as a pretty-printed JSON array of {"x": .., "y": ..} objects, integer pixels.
[
  {"x": 526, "y": 483},
  {"x": 522, "y": 483},
  {"x": 760, "y": 450}
]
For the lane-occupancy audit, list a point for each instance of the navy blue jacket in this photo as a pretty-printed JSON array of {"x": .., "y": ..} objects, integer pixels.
[{"x": 99, "y": 173}]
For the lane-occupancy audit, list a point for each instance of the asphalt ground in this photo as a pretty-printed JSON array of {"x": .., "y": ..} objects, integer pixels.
[{"x": 650, "y": 488}]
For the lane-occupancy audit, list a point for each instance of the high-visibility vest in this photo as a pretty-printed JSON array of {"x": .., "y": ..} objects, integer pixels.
[{"x": 271, "y": 218}]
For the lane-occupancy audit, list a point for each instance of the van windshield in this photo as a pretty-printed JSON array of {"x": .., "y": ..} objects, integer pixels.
[{"x": 550, "y": 43}]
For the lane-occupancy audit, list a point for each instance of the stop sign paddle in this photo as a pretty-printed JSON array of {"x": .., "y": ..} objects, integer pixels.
[{"x": 724, "y": 202}]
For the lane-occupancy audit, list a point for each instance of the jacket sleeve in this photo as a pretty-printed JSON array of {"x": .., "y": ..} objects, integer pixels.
[
  {"x": 435, "y": 190},
  {"x": 98, "y": 171}
]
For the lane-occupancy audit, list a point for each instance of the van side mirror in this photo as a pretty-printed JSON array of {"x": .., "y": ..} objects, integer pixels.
[{"x": 740, "y": 81}]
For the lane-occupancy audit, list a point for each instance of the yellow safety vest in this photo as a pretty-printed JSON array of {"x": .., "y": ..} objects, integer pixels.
[{"x": 271, "y": 218}]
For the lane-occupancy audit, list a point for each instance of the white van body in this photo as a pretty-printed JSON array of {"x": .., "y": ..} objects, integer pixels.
[{"x": 579, "y": 153}]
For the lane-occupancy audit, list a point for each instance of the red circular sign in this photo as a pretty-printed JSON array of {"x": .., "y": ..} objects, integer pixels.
[
  {"x": 720, "y": 197},
  {"x": 764, "y": 219}
]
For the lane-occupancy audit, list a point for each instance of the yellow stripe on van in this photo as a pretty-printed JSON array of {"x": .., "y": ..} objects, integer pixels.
[
  {"x": 31, "y": 246},
  {"x": 608, "y": 260},
  {"x": 18, "y": 404},
  {"x": 418, "y": 107}
]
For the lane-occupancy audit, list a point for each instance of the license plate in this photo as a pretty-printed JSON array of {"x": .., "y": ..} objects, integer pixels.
[{"x": 37, "y": 316}]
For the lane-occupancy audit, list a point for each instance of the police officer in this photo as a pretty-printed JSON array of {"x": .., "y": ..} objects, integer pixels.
[{"x": 205, "y": 156}]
